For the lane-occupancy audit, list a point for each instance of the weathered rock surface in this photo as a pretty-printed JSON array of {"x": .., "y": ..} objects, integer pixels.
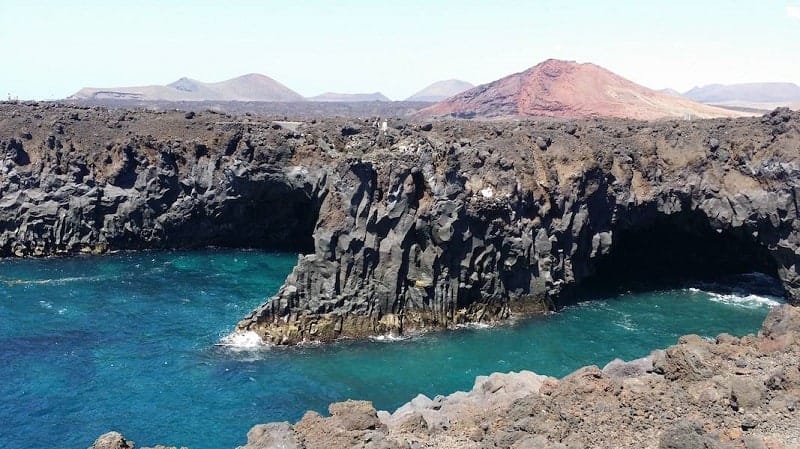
[
  {"x": 82, "y": 180},
  {"x": 415, "y": 226},
  {"x": 112, "y": 440},
  {"x": 591, "y": 408},
  {"x": 478, "y": 222}
]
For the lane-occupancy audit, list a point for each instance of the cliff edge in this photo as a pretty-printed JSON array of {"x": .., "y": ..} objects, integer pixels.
[{"x": 406, "y": 227}]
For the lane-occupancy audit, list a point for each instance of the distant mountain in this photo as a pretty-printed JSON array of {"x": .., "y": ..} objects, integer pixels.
[
  {"x": 339, "y": 97},
  {"x": 671, "y": 92},
  {"x": 252, "y": 87},
  {"x": 748, "y": 95},
  {"x": 441, "y": 90},
  {"x": 567, "y": 89}
]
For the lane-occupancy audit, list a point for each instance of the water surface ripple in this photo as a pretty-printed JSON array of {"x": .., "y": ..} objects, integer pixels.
[{"x": 129, "y": 342}]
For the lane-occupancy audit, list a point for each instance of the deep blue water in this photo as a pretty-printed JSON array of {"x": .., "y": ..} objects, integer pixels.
[{"x": 129, "y": 342}]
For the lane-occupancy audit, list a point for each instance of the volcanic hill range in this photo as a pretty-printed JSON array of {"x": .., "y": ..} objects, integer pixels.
[
  {"x": 558, "y": 88},
  {"x": 251, "y": 87},
  {"x": 441, "y": 90},
  {"x": 760, "y": 96},
  {"x": 553, "y": 88}
]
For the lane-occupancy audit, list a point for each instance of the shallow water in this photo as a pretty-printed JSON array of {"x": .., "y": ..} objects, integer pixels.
[{"x": 130, "y": 342}]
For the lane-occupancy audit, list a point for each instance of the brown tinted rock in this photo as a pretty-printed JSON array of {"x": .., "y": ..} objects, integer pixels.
[
  {"x": 686, "y": 435},
  {"x": 355, "y": 415},
  {"x": 746, "y": 393},
  {"x": 271, "y": 436}
]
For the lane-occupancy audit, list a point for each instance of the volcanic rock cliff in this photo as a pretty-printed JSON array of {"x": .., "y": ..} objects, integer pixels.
[{"x": 408, "y": 227}]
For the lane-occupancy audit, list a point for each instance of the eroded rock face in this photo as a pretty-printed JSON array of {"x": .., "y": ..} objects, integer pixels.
[
  {"x": 87, "y": 181},
  {"x": 478, "y": 222},
  {"x": 410, "y": 227}
]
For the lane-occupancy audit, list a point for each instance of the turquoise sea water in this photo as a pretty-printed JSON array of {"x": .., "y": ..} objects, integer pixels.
[{"x": 129, "y": 342}]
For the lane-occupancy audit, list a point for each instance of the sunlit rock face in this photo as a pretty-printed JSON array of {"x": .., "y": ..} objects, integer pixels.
[{"x": 406, "y": 226}]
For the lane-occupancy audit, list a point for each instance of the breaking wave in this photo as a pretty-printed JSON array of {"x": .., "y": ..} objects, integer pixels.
[
  {"x": 242, "y": 341},
  {"x": 749, "y": 301}
]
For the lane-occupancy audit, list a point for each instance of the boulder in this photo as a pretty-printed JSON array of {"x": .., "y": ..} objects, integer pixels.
[{"x": 112, "y": 440}]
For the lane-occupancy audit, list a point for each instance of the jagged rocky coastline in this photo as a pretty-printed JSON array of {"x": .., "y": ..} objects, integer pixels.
[
  {"x": 727, "y": 393},
  {"x": 403, "y": 226}
]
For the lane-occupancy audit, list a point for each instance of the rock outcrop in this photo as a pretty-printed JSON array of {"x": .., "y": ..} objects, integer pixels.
[
  {"x": 79, "y": 180},
  {"x": 479, "y": 222},
  {"x": 716, "y": 394},
  {"x": 409, "y": 227}
]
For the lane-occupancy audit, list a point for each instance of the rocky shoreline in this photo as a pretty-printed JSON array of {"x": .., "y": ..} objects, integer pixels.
[
  {"x": 406, "y": 227},
  {"x": 724, "y": 393}
]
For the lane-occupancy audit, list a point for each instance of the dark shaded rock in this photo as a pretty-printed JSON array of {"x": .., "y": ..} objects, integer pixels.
[
  {"x": 15, "y": 151},
  {"x": 543, "y": 142},
  {"x": 351, "y": 130}
]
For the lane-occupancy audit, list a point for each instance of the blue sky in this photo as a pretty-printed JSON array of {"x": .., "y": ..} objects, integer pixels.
[{"x": 50, "y": 49}]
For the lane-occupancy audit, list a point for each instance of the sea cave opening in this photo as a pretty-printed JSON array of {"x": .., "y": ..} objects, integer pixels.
[
  {"x": 268, "y": 215},
  {"x": 674, "y": 251}
]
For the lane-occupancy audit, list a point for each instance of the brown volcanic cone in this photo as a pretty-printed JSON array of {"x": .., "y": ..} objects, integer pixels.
[{"x": 567, "y": 89}]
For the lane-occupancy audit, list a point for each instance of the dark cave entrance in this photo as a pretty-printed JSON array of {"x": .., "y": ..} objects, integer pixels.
[
  {"x": 266, "y": 215},
  {"x": 274, "y": 217},
  {"x": 671, "y": 251}
]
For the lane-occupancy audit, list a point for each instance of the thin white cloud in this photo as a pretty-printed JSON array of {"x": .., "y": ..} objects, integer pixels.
[{"x": 793, "y": 12}]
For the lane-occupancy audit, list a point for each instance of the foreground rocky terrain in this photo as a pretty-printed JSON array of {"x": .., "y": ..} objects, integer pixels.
[
  {"x": 298, "y": 110},
  {"x": 699, "y": 394},
  {"x": 410, "y": 226}
]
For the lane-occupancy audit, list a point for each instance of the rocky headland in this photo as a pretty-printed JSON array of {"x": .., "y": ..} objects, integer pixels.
[
  {"x": 406, "y": 226},
  {"x": 727, "y": 393}
]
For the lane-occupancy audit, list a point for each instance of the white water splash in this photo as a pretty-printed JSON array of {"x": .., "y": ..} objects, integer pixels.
[
  {"x": 748, "y": 301},
  {"x": 390, "y": 337},
  {"x": 242, "y": 341},
  {"x": 478, "y": 325}
]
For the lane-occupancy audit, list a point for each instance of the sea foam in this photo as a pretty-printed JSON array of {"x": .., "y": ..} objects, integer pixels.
[
  {"x": 389, "y": 337},
  {"x": 242, "y": 341},
  {"x": 749, "y": 301},
  {"x": 738, "y": 298}
]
